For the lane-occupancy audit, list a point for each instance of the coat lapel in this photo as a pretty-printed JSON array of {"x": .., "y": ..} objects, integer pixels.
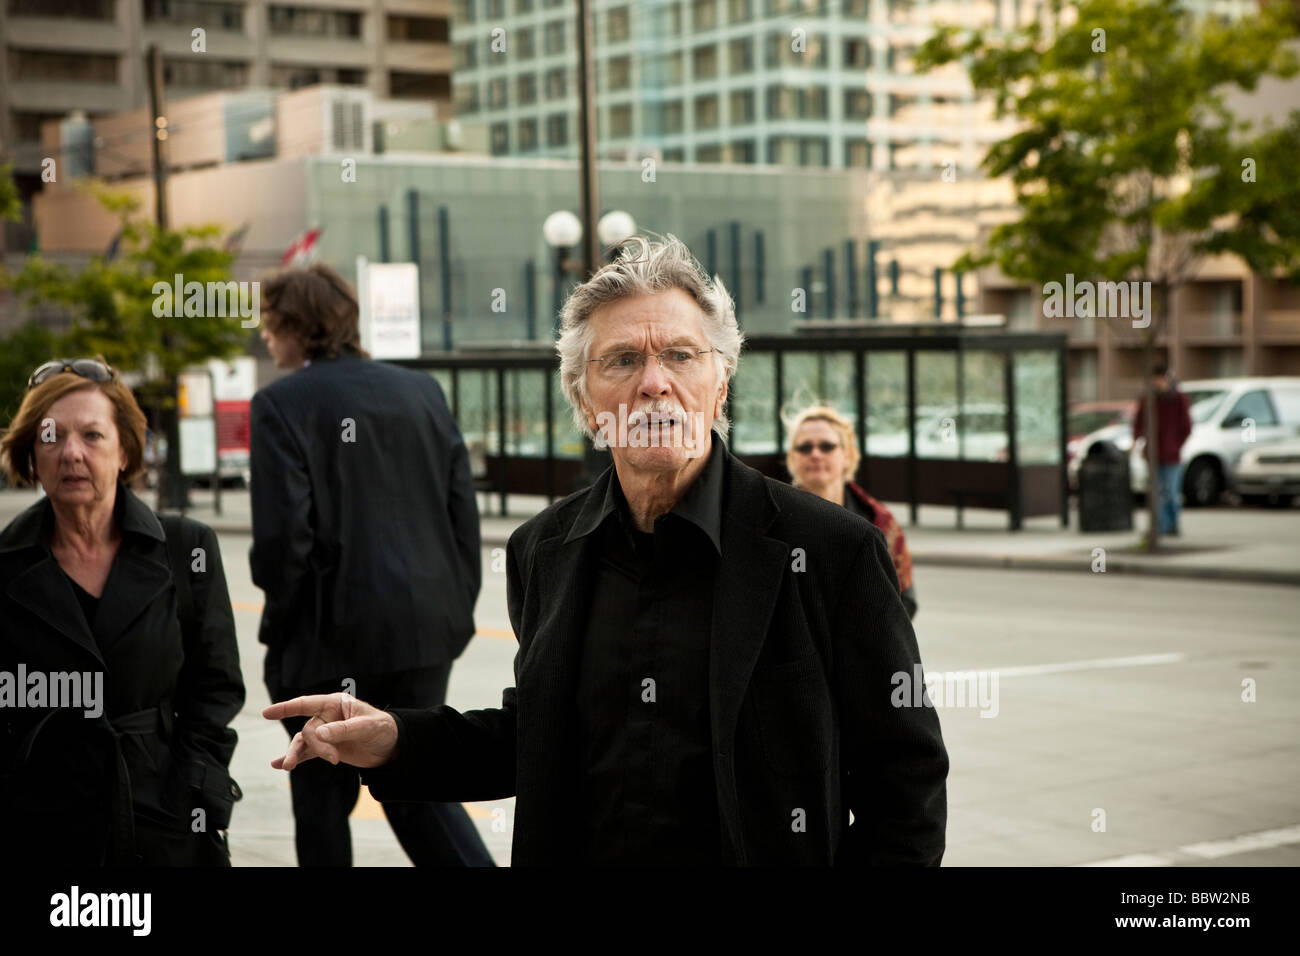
[
  {"x": 139, "y": 573},
  {"x": 43, "y": 590}
]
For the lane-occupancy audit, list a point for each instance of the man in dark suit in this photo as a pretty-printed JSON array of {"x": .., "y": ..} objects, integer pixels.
[
  {"x": 706, "y": 656},
  {"x": 366, "y": 542}
]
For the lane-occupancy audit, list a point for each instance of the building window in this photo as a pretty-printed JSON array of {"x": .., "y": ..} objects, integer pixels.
[
  {"x": 525, "y": 6},
  {"x": 744, "y": 151},
  {"x": 814, "y": 151},
  {"x": 527, "y": 135},
  {"x": 205, "y": 74},
  {"x": 857, "y": 104},
  {"x": 462, "y": 11},
  {"x": 708, "y": 154},
  {"x": 740, "y": 56},
  {"x": 466, "y": 102},
  {"x": 312, "y": 22},
  {"x": 557, "y": 130},
  {"x": 494, "y": 8},
  {"x": 465, "y": 55},
  {"x": 294, "y": 77},
  {"x": 786, "y": 102},
  {"x": 666, "y": 69},
  {"x": 704, "y": 62},
  {"x": 667, "y": 20},
  {"x": 62, "y": 67},
  {"x": 417, "y": 29},
  {"x": 556, "y": 84},
  {"x": 677, "y": 155},
  {"x": 404, "y": 84},
  {"x": 738, "y": 11},
  {"x": 740, "y": 107},
  {"x": 212, "y": 16},
  {"x": 618, "y": 25},
  {"x": 500, "y": 139},
  {"x": 857, "y": 54},
  {"x": 857, "y": 154},
  {"x": 525, "y": 45},
  {"x": 780, "y": 51},
  {"x": 706, "y": 112},
  {"x": 526, "y": 89},
  {"x": 618, "y": 73},
  {"x": 665, "y": 118},
  {"x": 497, "y": 93},
  {"x": 553, "y": 36},
  {"x": 783, "y": 150},
  {"x": 620, "y": 121},
  {"x": 855, "y": 8},
  {"x": 704, "y": 14}
]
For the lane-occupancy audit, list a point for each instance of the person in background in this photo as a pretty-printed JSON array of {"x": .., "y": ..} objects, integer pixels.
[
  {"x": 91, "y": 586},
  {"x": 366, "y": 542},
  {"x": 823, "y": 458},
  {"x": 1173, "y": 425}
]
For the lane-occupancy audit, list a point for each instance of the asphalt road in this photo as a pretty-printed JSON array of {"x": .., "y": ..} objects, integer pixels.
[{"x": 1120, "y": 732}]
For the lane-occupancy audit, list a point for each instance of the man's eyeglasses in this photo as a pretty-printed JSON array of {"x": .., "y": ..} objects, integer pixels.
[
  {"x": 825, "y": 447},
  {"x": 92, "y": 369},
  {"x": 680, "y": 360}
]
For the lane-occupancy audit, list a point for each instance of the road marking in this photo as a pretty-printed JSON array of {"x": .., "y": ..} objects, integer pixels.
[
  {"x": 498, "y": 633},
  {"x": 1210, "y": 850},
  {"x": 1099, "y": 663}
]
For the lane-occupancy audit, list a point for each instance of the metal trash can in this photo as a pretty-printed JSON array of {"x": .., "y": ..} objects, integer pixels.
[{"x": 1105, "y": 496}]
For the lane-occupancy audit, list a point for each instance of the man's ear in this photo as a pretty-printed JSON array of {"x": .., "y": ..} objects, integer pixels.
[{"x": 721, "y": 400}]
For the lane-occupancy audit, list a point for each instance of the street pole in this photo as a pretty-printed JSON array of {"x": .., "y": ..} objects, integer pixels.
[
  {"x": 172, "y": 493},
  {"x": 595, "y": 461}
]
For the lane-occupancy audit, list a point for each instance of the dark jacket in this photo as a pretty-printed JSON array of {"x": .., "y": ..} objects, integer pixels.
[
  {"x": 1173, "y": 424},
  {"x": 76, "y": 788},
  {"x": 365, "y": 529},
  {"x": 807, "y": 631}
]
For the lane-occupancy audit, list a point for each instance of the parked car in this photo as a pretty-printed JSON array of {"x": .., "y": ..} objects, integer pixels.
[
  {"x": 1270, "y": 474},
  {"x": 1230, "y": 417}
]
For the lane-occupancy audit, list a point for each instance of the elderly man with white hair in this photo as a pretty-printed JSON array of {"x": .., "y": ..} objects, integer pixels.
[{"x": 708, "y": 659}]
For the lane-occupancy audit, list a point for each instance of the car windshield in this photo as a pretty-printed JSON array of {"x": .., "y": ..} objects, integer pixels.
[
  {"x": 1204, "y": 402},
  {"x": 1082, "y": 423}
]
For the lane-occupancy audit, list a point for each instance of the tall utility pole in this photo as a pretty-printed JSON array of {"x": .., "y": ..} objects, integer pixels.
[
  {"x": 172, "y": 492},
  {"x": 587, "y": 142}
]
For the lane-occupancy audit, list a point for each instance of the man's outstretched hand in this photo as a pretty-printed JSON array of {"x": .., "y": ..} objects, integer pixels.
[{"x": 341, "y": 728}]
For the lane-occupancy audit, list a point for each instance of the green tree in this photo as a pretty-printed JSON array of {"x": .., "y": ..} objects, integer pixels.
[
  {"x": 1126, "y": 162},
  {"x": 117, "y": 313}
]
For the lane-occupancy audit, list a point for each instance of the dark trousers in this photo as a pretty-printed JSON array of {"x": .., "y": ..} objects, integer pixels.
[{"x": 324, "y": 794}]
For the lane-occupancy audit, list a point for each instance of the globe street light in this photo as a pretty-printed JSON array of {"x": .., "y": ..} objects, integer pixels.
[
  {"x": 562, "y": 231},
  {"x": 614, "y": 228}
]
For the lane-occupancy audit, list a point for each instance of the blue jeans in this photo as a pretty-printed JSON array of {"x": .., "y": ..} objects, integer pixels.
[{"x": 1169, "y": 488}]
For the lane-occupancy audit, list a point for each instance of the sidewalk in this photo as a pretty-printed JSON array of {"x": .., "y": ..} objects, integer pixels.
[{"x": 1256, "y": 545}]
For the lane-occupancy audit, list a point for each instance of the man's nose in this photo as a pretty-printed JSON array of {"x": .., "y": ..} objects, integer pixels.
[{"x": 654, "y": 380}]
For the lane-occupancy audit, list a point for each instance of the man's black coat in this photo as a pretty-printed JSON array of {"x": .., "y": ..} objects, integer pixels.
[
  {"x": 808, "y": 630},
  {"x": 168, "y": 700},
  {"x": 365, "y": 530}
]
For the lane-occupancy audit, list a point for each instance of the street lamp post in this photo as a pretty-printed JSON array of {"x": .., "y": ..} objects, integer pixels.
[{"x": 562, "y": 231}]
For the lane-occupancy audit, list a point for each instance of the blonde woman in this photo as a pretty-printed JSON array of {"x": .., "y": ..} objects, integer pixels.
[{"x": 822, "y": 458}]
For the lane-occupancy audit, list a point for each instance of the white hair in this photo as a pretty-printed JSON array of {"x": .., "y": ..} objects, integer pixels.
[{"x": 644, "y": 267}]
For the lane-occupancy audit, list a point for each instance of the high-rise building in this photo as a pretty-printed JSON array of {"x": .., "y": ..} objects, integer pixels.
[{"x": 60, "y": 56}]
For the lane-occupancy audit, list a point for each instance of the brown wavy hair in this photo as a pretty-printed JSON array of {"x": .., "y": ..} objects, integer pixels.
[
  {"x": 316, "y": 306},
  {"x": 18, "y": 446}
]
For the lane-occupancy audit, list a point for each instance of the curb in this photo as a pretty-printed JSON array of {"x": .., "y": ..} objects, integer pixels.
[{"x": 1005, "y": 561}]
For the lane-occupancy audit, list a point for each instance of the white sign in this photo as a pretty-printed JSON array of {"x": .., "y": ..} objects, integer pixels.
[
  {"x": 198, "y": 446},
  {"x": 197, "y": 391},
  {"x": 390, "y": 309},
  {"x": 234, "y": 380}
]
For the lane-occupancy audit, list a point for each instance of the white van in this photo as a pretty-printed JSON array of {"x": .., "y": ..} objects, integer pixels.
[{"x": 1230, "y": 416}]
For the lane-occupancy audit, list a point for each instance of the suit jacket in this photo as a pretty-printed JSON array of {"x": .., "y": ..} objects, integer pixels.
[
  {"x": 807, "y": 631},
  {"x": 365, "y": 529},
  {"x": 166, "y": 703}
]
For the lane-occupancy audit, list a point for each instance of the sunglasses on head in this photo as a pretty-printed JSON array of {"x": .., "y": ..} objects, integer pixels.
[
  {"x": 92, "y": 369},
  {"x": 825, "y": 447}
]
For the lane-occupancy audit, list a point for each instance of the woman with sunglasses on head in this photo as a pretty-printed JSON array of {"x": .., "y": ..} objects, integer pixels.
[
  {"x": 117, "y": 642},
  {"x": 822, "y": 458}
]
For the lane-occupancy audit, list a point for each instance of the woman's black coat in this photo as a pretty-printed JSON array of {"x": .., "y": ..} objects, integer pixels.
[{"x": 123, "y": 787}]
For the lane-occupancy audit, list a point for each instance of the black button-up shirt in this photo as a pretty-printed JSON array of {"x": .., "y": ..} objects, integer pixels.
[{"x": 647, "y": 782}]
